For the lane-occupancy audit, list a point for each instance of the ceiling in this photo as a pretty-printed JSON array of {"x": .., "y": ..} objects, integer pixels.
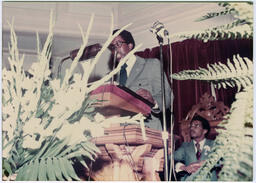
[{"x": 30, "y": 17}]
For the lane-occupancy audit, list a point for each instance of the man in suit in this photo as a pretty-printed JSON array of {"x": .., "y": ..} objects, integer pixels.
[
  {"x": 143, "y": 76},
  {"x": 191, "y": 155}
]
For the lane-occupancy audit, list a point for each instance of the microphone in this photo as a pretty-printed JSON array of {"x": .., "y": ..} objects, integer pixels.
[
  {"x": 159, "y": 29},
  {"x": 89, "y": 52}
]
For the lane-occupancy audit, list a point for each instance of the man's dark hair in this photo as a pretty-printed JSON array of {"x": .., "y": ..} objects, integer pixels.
[
  {"x": 127, "y": 37},
  {"x": 205, "y": 123}
]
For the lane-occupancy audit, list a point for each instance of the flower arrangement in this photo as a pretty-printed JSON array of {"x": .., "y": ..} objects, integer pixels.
[
  {"x": 233, "y": 147},
  {"x": 48, "y": 123}
]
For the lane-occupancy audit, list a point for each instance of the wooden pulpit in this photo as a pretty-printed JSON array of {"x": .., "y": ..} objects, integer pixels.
[{"x": 126, "y": 156}]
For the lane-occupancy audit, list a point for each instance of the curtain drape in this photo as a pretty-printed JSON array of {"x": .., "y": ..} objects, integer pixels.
[{"x": 189, "y": 55}]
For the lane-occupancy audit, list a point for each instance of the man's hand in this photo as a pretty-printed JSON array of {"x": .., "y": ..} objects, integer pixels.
[
  {"x": 145, "y": 94},
  {"x": 193, "y": 167}
]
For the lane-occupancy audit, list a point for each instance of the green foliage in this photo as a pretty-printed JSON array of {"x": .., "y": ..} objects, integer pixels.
[
  {"x": 239, "y": 74},
  {"x": 54, "y": 160},
  {"x": 233, "y": 147},
  {"x": 241, "y": 26},
  {"x": 87, "y": 109}
]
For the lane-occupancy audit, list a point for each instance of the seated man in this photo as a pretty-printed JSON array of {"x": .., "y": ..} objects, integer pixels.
[{"x": 191, "y": 155}]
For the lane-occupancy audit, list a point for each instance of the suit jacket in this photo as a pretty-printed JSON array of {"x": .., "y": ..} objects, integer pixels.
[
  {"x": 146, "y": 74},
  {"x": 186, "y": 154}
]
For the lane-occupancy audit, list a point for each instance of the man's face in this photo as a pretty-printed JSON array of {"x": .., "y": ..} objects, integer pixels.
[
  {"x": 196, "y": 130},
  {"x": 121, "y": 47}
]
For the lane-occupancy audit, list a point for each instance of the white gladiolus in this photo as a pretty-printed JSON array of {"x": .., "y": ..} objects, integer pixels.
[
  {"x": 75, "y": 132},
  {"x": 9, "y": 126},
  {"x": 33, "y": 126},
  {"x": 95, "y": 128},
  {"x": 31, "y": 143},
  {"x": 99, "y": 117},
  {"x": 33, "y": 111},
  {"x": 5, "y": 151},
  {"x": 57, "y": 110}
]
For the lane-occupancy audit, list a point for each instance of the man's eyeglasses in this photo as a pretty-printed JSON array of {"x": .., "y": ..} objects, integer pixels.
[
  {"x": 117, "y": 44},
  {"x": 195, "y": 125}
]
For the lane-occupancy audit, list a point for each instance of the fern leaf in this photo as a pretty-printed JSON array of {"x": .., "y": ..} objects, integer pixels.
[
  {"x": 64, "y": 170},
  {"x": 56, "y": 149},
  {"x": 66, "y": 151},
  {"x": 70, "y": 169},
  {"x": 214, "y": 14},
  {"x": 90, "y": 147},
  {"x": 20, "y": 173},
  {"x": 24, "y": 172},
  {"x": 50, "y": 170},
  {"x": 12, "y": 162},
  {"x": 81, "y": 160},
  {"x": 42, "y": 176},
  {"x": 222, "y": 75},
  {"x": 79, "y": 153},
  {"x": 35, "y": 170},
  {"x": 7, "y": 167},
  {"x": 57, "y": 170}
]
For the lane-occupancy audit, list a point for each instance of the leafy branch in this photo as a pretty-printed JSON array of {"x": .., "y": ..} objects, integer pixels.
[
  {"x": 239, "y": 74},
  {"x": 241, "y": 26}
]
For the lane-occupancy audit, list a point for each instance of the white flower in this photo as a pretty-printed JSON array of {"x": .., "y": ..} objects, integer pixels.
[
  {"x": 206, "y": 149},
  {"x": 95, "y": 128},
  {"x": 57, "y": 110},
  {"x": 9, "y": 126},
  {"x": 5, "y": 152},
  {"x": 99, "y": 117},
  {"x": 8, "y": 109},
  {"x": 30, "y": 142},
  {"x": 33, "y": 126},
  {"x": 75, "y": 131}
]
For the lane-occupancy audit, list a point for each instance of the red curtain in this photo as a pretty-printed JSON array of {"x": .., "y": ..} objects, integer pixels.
[{"x": 192, "y": 54}]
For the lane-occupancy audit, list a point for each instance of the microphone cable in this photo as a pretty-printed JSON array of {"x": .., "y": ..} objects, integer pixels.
[{"x": 128, "y": 153}]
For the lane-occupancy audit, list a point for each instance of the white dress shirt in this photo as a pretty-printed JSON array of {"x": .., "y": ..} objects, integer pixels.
[{"x": 130, "y": 63}]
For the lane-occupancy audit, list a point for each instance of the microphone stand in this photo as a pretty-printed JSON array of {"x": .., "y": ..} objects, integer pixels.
[
  {"x": 113, "y": 67},
  {"x": 164, "y": 133}
]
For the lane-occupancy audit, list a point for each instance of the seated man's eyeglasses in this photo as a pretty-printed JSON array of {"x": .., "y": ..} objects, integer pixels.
[
  {"x": 117, "y": 44},
  {"x": 195, "y": 125}
]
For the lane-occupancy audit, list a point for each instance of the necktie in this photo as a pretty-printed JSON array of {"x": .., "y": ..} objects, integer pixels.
[
  {"x": 198, "y": 153},
  {"x": 123, "y": 75}
]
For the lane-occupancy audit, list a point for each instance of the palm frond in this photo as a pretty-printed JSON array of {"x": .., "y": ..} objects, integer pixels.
[
  {"x": 215, "y": 14},
  {"x": 54, "y": 161},
  {"x": 239, "y": 73},
  {"x": 240, "y": 28},
  {"x": 229, "y": 31}
]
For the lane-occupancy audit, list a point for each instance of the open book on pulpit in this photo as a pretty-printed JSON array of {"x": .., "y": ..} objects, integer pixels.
[{"x": 119, "y": 100}]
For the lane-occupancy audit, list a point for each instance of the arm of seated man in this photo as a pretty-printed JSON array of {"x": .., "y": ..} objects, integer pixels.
[{"x": 191, "y": 168}]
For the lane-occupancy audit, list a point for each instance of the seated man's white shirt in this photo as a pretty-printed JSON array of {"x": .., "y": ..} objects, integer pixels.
[{"x": 201, "y": 144}]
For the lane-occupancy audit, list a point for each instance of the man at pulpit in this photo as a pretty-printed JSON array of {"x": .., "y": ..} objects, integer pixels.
[
  {"x": 191, "y": 155},
  {"x": 142, "y": 76}
]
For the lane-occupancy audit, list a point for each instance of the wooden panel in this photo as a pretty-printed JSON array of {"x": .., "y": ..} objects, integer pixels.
[
  {"x": 130, "y": 159},
  {"x": 117, "y": 98},
  {"x": 130, "y": 134}
]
